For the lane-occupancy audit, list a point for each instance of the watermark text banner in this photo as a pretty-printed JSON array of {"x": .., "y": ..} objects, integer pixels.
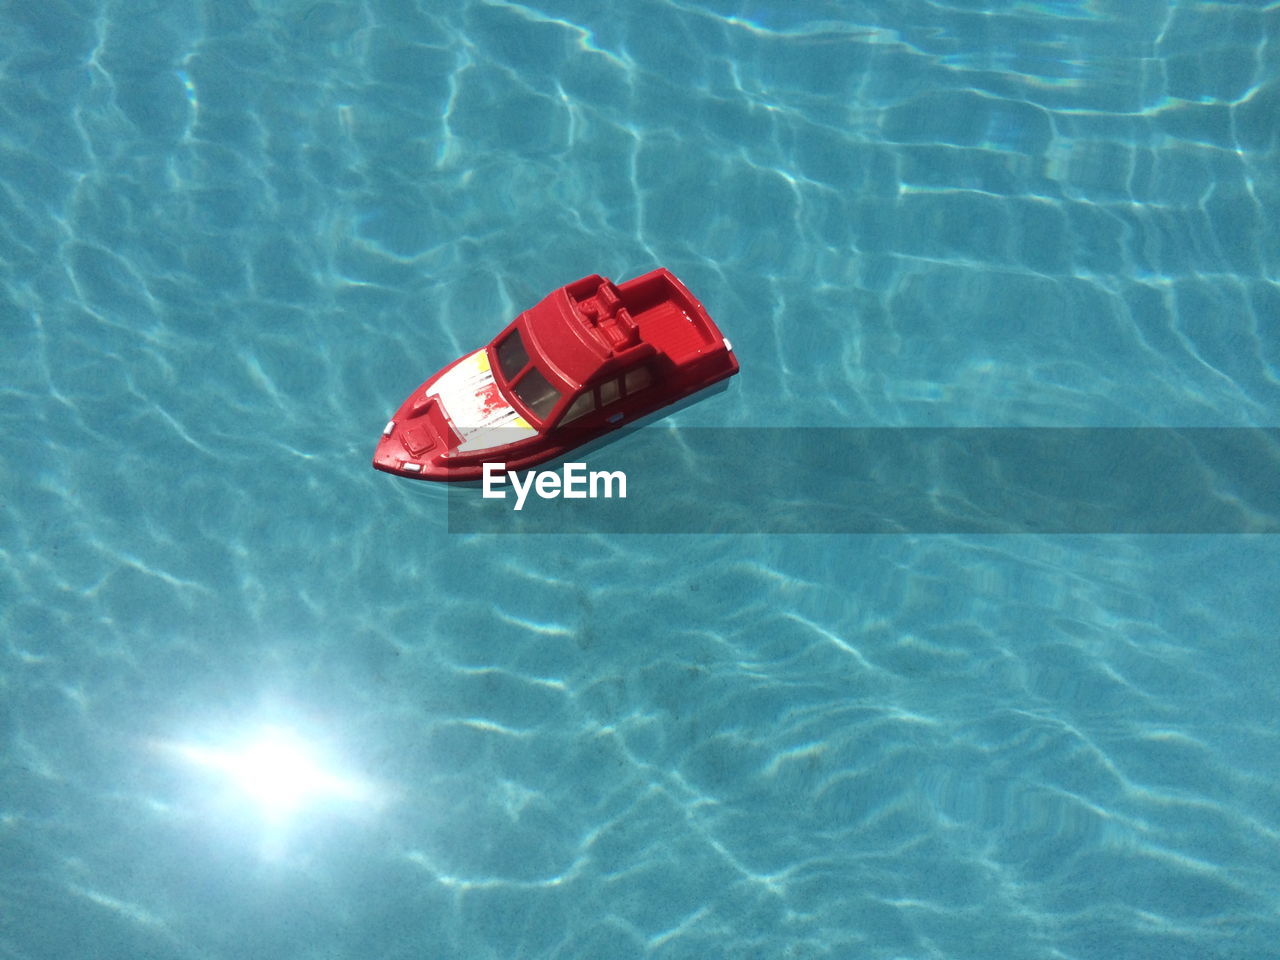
[{"x": 914, "y": 480}]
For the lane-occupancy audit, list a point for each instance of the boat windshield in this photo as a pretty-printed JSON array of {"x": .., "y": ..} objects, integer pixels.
[
  {"x": 536, "y": 392},
  {"x": 512, "y": 356}
]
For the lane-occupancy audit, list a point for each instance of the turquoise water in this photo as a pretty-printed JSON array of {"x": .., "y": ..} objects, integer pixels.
[{"x": 235, "y": 234}]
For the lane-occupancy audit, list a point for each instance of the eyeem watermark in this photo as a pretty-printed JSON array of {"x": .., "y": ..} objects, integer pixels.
[{"x": 572, "y": 483}]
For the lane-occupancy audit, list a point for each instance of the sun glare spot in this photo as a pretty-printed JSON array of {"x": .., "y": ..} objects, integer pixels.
[{"x": 277, "y": 770}]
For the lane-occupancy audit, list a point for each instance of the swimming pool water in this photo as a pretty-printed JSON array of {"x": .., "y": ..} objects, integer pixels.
[{"x": 234, "y": 235}]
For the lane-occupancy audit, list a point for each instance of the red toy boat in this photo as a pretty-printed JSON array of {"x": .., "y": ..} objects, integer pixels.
[{"x": 590, "y": 357}]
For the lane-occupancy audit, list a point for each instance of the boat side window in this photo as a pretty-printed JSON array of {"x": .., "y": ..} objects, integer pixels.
[
  {"x": 537, "y": 393},
  {"x": 638, "y": 379},
  {"x": 609, "y": 392},
  {"x": 580, "y": 407},
  {"x": 512, "y": 356}
]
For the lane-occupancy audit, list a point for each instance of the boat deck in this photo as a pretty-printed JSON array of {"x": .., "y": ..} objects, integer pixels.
[
  {"x": 668, "y": 317},
  {"x": 673, "y": 331}
]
